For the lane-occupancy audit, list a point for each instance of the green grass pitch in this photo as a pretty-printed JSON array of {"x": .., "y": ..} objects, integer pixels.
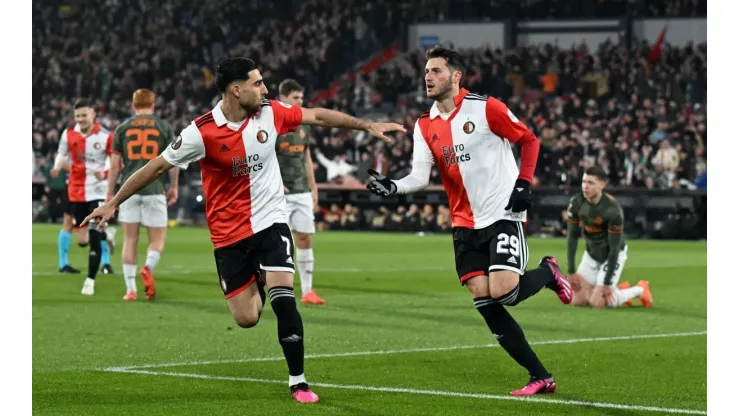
[{"x": 397, "y": 336}]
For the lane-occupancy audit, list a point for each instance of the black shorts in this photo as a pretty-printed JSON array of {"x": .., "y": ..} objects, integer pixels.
[
  {"x": 59, "y": 202},
  {"x": 242, "y": 263},
  {"x": 80, "y": 210},
  {"x": 500, "y": 246}
]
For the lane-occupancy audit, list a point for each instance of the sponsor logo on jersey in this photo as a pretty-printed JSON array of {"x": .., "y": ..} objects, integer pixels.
[
  {"x": 454, "y": 155},
  {"x": 262, "y": 136},
  {"x": 244, "y": 166}
]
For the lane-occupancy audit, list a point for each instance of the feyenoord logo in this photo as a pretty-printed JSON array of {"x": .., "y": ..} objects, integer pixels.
[
  {"x": 468, "y": 127},
  {"x": 96, "y": 146},
  {"x": 262, "y": 136},
  {"x": 177, "y": 143}
]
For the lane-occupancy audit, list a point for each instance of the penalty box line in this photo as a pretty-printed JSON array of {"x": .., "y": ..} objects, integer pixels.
[
  {"x": 143, "y": 370},
  {"x": 423, "y": 392}
]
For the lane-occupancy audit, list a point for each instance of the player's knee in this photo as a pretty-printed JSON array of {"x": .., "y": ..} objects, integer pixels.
[
  {"x": 478, "y": 286},
  {"x": 303, "y": 240},
  {"x": 598, "y": 302},
  {"x": 502, "y": 282},
  {"x": 247, "y": 320}
]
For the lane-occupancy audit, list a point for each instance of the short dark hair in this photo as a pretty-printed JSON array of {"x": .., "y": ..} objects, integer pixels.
[
  {"x": 596, "y": 171},
  {"x": 233, "y": 69},
  {"x": 82, "y": 103},
  {"x": 454, "y": 60},
  {"x": 288, "y": 86}
]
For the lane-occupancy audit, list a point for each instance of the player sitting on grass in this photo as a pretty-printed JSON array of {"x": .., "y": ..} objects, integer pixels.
[{"x": 600, "y": 215}]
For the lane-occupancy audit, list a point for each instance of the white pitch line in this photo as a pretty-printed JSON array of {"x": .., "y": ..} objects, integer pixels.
[
  {"x": 408, "y": 350},
  {"x": 429, "y": 392}
]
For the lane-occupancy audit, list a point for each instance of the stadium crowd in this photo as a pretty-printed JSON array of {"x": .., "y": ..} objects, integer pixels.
[{"x": 641, "y": 116}]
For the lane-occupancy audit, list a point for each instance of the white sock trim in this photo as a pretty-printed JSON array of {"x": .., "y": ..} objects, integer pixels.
[
  {"x": 129, "y": 277},
  {"x": 305, "y": 268},
  {"x": 293, "y": 380}
]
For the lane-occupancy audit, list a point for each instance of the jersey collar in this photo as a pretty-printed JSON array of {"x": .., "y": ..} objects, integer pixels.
[
  {"x": 434, "y": 112},
  {"x": 218, "y": 115},
  {"x": 220, "y": 118},
  {"x": 95, "y": 129}
]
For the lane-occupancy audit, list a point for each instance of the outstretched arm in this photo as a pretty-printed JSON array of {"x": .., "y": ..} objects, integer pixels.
[{"x": 421, "y": 166}]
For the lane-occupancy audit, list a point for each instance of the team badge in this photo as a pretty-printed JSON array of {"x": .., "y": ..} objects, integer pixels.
[
  {"x": 262, "y": 136},
  {"x": 177, "y": 143},
  {"x": 96, "y": 146},
  {"x": 468, "y": 127}
]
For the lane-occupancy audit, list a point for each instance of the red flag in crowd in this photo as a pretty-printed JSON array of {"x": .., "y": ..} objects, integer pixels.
[{"x": 655, "y": 51}]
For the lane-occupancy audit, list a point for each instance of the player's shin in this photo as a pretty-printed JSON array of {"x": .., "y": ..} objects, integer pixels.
[
  {"x": 529, "y": 284},
  {"x": 129, "y": 277},
  {"x": 93, "y": 262},
  {"x": 621, "y": 296},
  {"x": 65, "y": 239},
  {"x": 305, "y": 268},
  {"x": 510, "y": 336},
  {"x": 152, "y": 258},
  {"x": 290, "y": 330}
]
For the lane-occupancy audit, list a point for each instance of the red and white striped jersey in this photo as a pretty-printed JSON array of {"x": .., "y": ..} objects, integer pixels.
[
  {"x": 241, "y": 178},
  {"x": 472, "y": 147},
  {"x": 88, "y": 154}
]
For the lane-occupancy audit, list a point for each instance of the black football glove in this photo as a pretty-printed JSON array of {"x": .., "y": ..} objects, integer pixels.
[
  {"x": 521, "y": 197},
  {"x": 380, "y": 184}
]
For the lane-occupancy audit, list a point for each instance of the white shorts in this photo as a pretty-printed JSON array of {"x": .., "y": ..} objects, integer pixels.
[
  {"x": 149, "y": 210},
  {"x": 595, "y": 272},
  {"x": 300, "y": 212}
]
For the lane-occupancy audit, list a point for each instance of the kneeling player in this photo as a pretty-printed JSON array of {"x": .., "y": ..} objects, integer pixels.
[{"x": 600, "y": 215}]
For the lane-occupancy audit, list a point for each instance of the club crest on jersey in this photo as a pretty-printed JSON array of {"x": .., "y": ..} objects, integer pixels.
[
  {"x": 177, "y": 143},
  {"x": 96, "y": 146},
  {"x": 262, "y": 136},
  {"x": 468, "y": 127}
]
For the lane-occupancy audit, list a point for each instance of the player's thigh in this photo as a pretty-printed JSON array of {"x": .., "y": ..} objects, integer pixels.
[
  {"x": 154, "y": 211},
  {"x": 471, "y": 261},
  {"x": 618, "y": 268},
  {"x": 589, "y": 268},
  {"x": 508, "y": 256},
  {"x": 301, "y": 213},
  {"x": 581, "y": 295},
  {"x": 130, "y": 210},
  {"x": 274, "y": 250},
  {"x": 238, "y": 278}
]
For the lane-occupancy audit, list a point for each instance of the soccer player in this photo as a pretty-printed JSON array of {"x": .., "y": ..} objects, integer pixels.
[
  {"x": 245, "y": 201},
  {"x": 469, "y": 137},
  {"x": 596, "y": 281},
  {"x": 136, "y": 141},
  {"x": 68, "y": 224},
  {"x": 296, "y": 168},
  {"x": 88, "y": 144}
]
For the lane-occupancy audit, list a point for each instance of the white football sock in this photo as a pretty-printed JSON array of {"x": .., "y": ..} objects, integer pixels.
[
  {"x": 129, "y": 276},
  {"x": 620, "y": 296},
  {"x": 293, "y": 380},
  {"x": 305, "y": 269},
  {"x": 152, "y": 258}
]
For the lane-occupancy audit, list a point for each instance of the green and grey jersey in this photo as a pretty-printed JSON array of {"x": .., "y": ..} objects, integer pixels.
[
  {"x": 138, "y": 140},
  {"x": 291, "y": 149},
  {"x": 602, "y": 225}
]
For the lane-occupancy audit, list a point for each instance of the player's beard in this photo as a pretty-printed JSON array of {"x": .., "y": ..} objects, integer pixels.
[
  {"x": 253, "y": 105},
  {"x": 444, "y": 90}
]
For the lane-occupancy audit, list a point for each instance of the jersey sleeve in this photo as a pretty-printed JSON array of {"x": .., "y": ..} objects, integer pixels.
[
  {"x": 109, "y": 144},
  {"x": 616, "y": 221},
  {"x": 503, "y": 122},
  {"x": 188, "y": 147},
  {"x": 421, "y": 151},
  {"x": 62, "y": 150},
  {"x": 118, "y": 141},
  {"x": 573, "y": 207},
  {"x": 287, "y": 117}
]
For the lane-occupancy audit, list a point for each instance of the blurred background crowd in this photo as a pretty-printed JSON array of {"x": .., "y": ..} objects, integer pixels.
[{"x": 637, "y": 111}]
